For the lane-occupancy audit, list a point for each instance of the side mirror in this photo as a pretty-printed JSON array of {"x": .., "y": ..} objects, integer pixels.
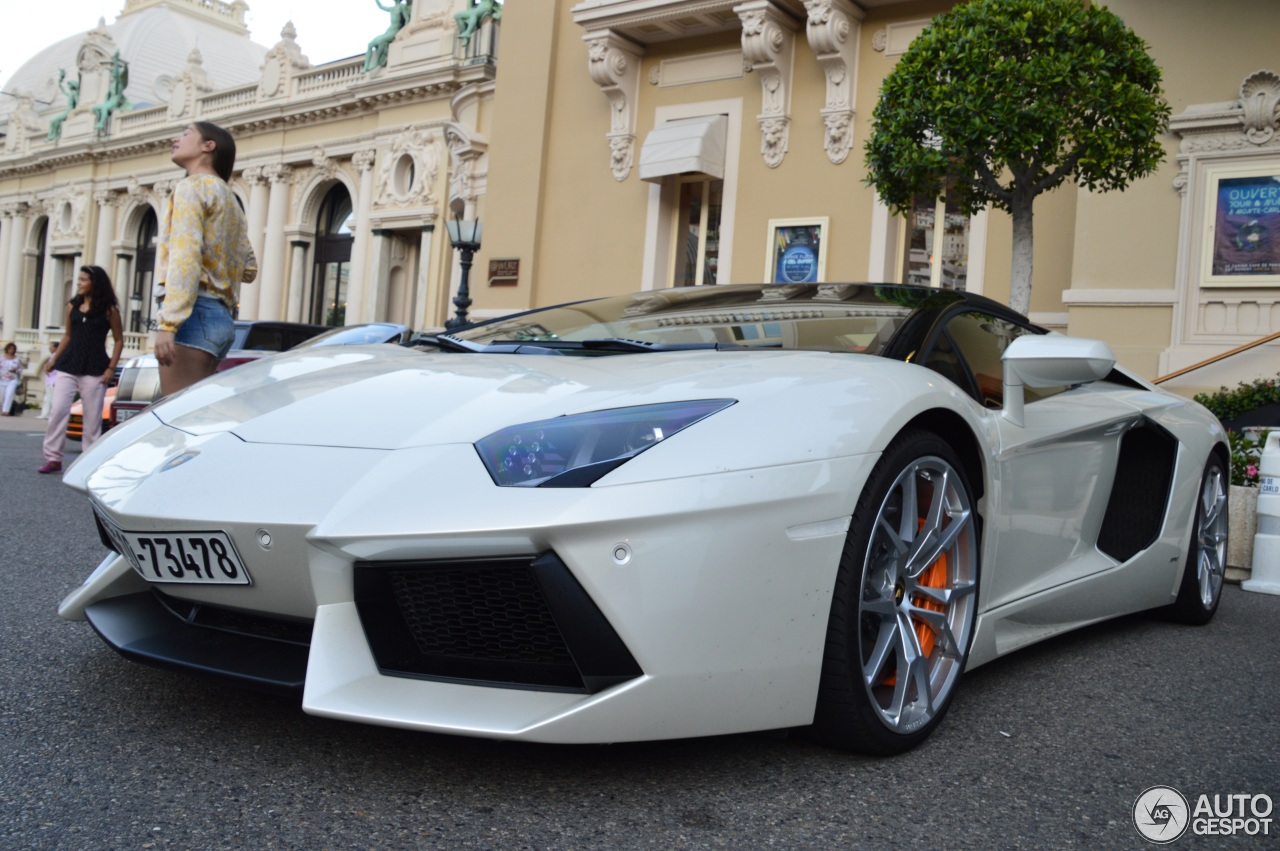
[{"x": 1049, "y": 361}]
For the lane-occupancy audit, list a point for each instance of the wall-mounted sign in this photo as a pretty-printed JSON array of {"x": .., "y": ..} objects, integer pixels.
[
  {"x": 797, "y": 251},
  {"x": 504, "y": 272},
  {"x": 1243, "y": 237}
]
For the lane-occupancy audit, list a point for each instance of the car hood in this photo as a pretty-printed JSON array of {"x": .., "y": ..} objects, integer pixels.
[{"x": 381, "y": 398}]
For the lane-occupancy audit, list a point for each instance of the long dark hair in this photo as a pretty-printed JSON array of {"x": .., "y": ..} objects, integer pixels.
[
  {"x": 102, "y": 296},
  {"x": 224, "y": 147}
]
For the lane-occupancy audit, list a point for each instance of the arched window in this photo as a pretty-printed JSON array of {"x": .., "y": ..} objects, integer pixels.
[
  {"x": 140, "y": 301},
  {"x": 333, "y": 258}
]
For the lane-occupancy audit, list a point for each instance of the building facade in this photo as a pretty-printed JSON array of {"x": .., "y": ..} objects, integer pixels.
[{"x": 618, "y": 145}]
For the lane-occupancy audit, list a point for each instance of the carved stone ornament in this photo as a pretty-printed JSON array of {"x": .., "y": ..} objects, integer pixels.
[
  {"x": 325, "y": 166},
  {"x": 409, "y": 171},
  {"x": 193, "y": 82},
  {"x": 67, "y": 214},
  {"x": 614, "y": 64},
  {"x": 464, "y": 150},
  {"x": 281, "y": 62},
  {"x": 1244, "y": 125},
  {"x": 880, "y": 40},
  {"x": 1260, "y": 101},
  {"x": 24, "y": 125},
  {"x": 364, "y": 160},
  {"x": 832, "y": 30},
  {"x": 278, "y": 173},
  {"x": 768, "y": 43}
]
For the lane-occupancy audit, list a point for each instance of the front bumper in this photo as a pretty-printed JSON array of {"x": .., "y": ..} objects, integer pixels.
[{"x": 716, "y": 587}]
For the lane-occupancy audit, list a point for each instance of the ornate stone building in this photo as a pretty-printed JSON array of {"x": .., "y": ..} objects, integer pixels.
[
  {"x": 618, "y": 145},
  {"x": 344, "y": 169}
]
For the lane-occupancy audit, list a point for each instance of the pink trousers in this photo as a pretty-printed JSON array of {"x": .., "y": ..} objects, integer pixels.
[{"x": 92, "y": 391}]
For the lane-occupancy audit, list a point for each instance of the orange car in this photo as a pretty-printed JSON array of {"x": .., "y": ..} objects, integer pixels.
[{"x": 75, "y": 426}]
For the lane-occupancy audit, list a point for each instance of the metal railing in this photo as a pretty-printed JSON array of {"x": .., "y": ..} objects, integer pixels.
[{"x": 1217, "y": 358}]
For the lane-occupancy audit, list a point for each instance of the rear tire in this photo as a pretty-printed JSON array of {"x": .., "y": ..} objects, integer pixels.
[
  {"x": 1201, "y": 588},
  {"x": 905, "y": 602}
]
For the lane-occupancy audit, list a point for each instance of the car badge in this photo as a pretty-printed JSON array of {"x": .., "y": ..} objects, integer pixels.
[{"x": 178, "y": 461}]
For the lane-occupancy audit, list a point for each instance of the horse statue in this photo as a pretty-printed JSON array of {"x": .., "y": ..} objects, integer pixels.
[{"x": 469, "y": 21}]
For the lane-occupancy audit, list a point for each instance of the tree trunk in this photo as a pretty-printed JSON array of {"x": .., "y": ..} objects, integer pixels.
[{"x": 1020, "y": 283}]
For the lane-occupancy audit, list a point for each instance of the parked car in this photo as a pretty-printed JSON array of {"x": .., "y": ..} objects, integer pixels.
[
  {"x": 140, "y": 378},
  {"x": 683, "y": 512},
  {"x": 256, "y": 339},
  {"x": 361, "y": 335}
]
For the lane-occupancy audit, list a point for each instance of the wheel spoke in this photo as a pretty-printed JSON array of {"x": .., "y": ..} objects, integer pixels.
[
  {"x": 886, "y": 641},
  {"x": 933, "y": 542},
  {"x": 945, "y": 596},
  {"x": 944, "y": 639}
]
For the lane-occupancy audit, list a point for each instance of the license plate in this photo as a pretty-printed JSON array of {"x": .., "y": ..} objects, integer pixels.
[
  {"x": 123, "y": 414},
  {"x": 201, "y": 558}
]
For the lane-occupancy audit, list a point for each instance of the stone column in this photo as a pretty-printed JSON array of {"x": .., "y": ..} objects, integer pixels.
[
  {"x": 106, "y": 230},
  {"x": 124, "y": 284},
  {"x": 257, "y": 216},
  {"x": 375, "y": 292},
  {"x": 297, "y": 278},
  {"x": 420, "y": 315},
  {"x": 13, "y": 272},
  {"x": 51, "y": 301},
  {"x": 363, "y": 161},
  {"x": 271, "y": 262},
  {"x": 8, "y": 214}
]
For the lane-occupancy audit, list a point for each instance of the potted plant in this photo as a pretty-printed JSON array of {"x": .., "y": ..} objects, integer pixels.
[{"x": 1246, "y": 450}]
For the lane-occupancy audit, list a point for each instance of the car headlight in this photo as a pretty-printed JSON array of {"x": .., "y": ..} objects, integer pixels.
[{"x": 574, "y": 451}]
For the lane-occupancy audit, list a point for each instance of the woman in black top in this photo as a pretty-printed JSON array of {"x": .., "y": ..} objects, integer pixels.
[{"x": 82, "y": 363}]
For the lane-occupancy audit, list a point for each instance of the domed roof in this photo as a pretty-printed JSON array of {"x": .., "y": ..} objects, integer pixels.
[{"x": 155, "y": 37}]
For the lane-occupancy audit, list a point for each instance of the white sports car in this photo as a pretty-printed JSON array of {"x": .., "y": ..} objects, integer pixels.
[{"x": 675, "y": 513}]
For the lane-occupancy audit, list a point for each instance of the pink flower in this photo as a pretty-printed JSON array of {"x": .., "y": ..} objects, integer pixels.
[{"x": 1251, "y": 471}]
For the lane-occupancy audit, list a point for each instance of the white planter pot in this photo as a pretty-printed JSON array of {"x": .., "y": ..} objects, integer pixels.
[{"x": 1243, "y": 506}]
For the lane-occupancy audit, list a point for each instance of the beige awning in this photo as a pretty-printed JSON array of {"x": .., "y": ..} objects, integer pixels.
[{"x": 687, "y": 146}]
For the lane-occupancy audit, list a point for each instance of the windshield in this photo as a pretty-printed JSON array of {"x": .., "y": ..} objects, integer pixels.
[{"x": 825, "y": 317}]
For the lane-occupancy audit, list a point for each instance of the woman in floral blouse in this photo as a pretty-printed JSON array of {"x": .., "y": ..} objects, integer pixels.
[{"x": 204, "y": 255}]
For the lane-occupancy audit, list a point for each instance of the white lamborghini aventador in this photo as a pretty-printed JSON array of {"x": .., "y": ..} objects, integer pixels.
[{"x": 676, "y": 513}]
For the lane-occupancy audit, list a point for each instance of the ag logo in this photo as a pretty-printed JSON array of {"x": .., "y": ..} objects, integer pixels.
[{"x": 1161, "y": 814}]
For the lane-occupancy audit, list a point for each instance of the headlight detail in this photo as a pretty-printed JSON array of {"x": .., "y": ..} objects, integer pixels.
[{"x": 575, "y": 451}]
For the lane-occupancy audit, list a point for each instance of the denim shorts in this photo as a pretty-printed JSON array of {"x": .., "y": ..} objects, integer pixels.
[{"x": 209, "y": 327}]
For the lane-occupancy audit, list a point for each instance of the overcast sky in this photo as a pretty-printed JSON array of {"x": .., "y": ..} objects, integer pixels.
[{"x": 324, "y": 33}]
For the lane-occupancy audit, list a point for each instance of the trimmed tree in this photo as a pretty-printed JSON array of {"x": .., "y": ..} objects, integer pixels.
[{"x": 998, "y": 101}]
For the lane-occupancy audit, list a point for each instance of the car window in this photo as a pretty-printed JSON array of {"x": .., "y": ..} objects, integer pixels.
[
  {"x": 980, "y": 340},
  {"x": 265, "y": 339}
]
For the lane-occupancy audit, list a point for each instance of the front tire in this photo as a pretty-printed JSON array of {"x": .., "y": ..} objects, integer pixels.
[
  {"x": 905, "y": 602},
  {"x": 1201, "y": 587}
]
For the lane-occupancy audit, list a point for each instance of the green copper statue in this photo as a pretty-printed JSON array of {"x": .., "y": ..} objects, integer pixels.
[
  {"x": 116, "y": 101},
  {"x": 71, "y": 90},
  {"x": 376, "y": 55},
  {"x": 469, "y": 21}
]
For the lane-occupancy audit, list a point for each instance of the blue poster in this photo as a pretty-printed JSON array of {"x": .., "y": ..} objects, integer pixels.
[{"x": 795, "y": 254}]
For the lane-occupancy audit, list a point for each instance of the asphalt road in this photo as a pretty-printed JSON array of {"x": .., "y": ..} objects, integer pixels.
[{"x": 1048, "y": 748}]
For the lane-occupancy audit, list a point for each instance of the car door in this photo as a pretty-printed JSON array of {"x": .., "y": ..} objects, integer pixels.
[{"x": 1051, "y": 478}]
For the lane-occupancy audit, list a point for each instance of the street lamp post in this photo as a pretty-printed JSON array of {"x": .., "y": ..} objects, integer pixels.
[{"x": 464, "y": 235}]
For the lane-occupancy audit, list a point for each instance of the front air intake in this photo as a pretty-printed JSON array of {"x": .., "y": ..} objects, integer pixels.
[{"x": 511, "y": 622}]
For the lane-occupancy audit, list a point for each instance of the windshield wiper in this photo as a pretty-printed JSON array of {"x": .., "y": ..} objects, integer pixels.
[
  {"x": 449, "y": 342},
  {"x": 556, "y": 347}
]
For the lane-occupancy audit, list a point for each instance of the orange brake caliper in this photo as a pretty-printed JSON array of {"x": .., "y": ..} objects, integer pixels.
[{"x": 934, "y": 576}]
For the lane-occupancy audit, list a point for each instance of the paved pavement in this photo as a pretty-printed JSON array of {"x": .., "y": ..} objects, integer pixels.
[{"x": 1048, "y": 748}]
